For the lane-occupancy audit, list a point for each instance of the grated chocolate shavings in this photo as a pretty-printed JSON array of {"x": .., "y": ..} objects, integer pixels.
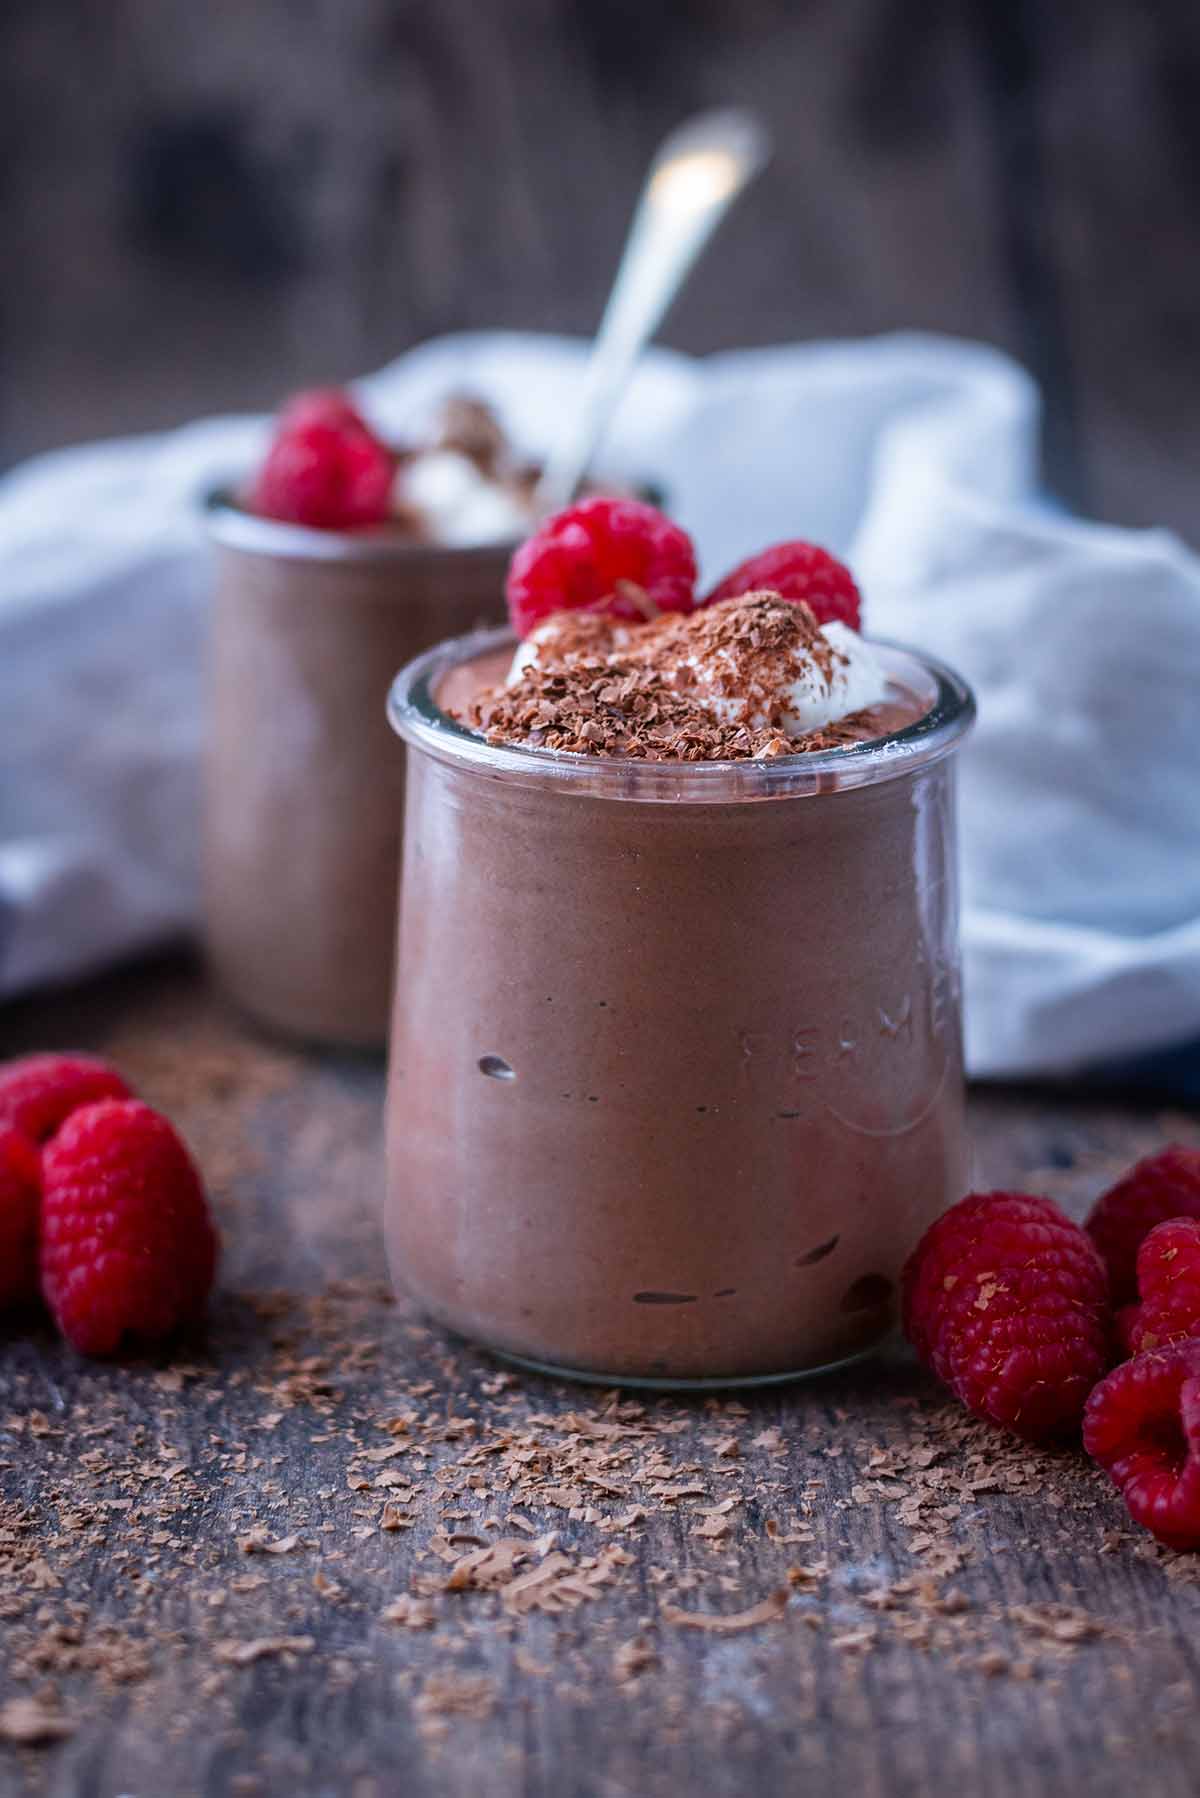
[
  {"x": 327, "y": 1494},
  {"x": 703, "y": 686},
  {"x": 729, "y": 1623},
  {"x": 30, "y": 1723}
]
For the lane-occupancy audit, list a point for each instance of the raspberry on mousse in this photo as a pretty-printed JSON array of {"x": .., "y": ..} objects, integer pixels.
[
  {"x": 325, "y": 467},
  {"x": 615, "y": 657},
  {"x": 797, "y": 571},
  {"x": 616, "y": 556}
]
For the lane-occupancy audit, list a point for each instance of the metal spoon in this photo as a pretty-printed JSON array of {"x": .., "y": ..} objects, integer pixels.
[{"x": 699, "y": 171}]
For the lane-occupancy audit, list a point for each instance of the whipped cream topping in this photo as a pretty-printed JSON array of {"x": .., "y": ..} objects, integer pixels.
[
  {"x": 815, "y": 676},
  {"x": 855, "y": 681},
  {"x": 461, "y": 504}
]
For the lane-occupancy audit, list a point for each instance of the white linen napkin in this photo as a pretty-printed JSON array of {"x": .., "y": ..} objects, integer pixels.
[{"x": 915, "y": 456}]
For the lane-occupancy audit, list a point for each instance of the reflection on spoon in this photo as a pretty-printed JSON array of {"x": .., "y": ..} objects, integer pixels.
[{"x": 697, "y": 174}]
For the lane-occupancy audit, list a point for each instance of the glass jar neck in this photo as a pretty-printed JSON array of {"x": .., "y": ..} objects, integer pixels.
[{"x": 420, "y": 720}]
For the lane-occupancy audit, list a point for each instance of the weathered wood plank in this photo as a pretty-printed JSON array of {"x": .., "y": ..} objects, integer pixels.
[{"x": 961, "y": 1614}]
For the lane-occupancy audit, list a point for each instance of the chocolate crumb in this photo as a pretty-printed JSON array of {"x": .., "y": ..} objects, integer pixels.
[
  {"x": 29, "y": 1723},
  {"x": 709, "y": 685},
  {"x": 729, "y": 1623}
]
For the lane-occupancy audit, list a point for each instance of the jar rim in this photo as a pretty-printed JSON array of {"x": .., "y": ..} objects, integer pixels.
[
  {"x": 417, "y": 717},
  {"x": 233, "y": 526}
]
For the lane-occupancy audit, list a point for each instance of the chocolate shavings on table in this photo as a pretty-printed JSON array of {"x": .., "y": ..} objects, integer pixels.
[
  {"x": 767, "y": 1610},
  {"x": 540, "y": 1526}
]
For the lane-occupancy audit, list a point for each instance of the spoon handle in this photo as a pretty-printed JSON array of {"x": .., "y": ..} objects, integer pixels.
[{"x": 698, "y": 172}]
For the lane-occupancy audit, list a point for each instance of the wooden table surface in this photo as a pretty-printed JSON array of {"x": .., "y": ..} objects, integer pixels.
[{"x": 325, "y": 1550}]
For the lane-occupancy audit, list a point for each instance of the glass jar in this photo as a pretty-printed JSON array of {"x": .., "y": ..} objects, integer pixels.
[
  {"x": 303, "y": 778},
  {"x": 676, "y": 1078}
]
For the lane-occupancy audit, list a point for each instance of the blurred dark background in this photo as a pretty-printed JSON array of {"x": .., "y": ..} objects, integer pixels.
[{"x": 204, "y": 205}]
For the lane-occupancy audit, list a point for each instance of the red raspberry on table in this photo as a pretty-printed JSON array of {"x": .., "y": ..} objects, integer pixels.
[
  {"x": 1162, "y": 1186},
  {"x": 38, "y": 1092},
  {"x": 325, "y": 467},
  {"x": 618, "y": 556},
  {"x": 1007, "y": 1301},
  {"x": 128, "y": 1246},
  {"x": 1126, "y": 1319},
  {"x": 20, "y": 1205},
  {"x": 1142, "y": 1424},
  {"x": 797, "y": 571},
  {"x": 1168, "y": 1277}
]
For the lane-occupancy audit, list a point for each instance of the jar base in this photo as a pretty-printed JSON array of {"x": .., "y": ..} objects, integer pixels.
[{"x": 716, "y": 1383}]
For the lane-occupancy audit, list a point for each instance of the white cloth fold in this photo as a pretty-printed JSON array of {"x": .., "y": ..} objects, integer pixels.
[{"x": 914, "y": 456}]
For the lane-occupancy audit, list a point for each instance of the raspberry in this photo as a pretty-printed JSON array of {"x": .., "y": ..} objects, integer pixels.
[
  {"x": 1142, "y": 1424},
  {"x": 797, "y": 571},
  {"x": 1006, "y": 1300},
  {"x": 38, "y": 1092},
  {"x": 1168, "y": 1276},
  {"x": 1162, "y": 1186},
  {"x": 128, "y": 1246},
  {"x": 325, "y": 467},
  {"x": 617, "y": 556},
  {"x": 1126, "y": 1319},
  {"x": 20, "y": 1203},
  {"x": 321, "y": 406}
]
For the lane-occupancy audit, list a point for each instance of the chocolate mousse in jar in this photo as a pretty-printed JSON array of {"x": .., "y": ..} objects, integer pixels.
[
  {"x": 676, "y": 1077},
  {"x": 343, "y": 559}
]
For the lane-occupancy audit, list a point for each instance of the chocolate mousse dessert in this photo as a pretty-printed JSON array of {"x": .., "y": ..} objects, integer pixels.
[
  {"x": 676, "y": 1076},
  {"x": 342, "y": 558},
  {"x": 754, "y": 676}
]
